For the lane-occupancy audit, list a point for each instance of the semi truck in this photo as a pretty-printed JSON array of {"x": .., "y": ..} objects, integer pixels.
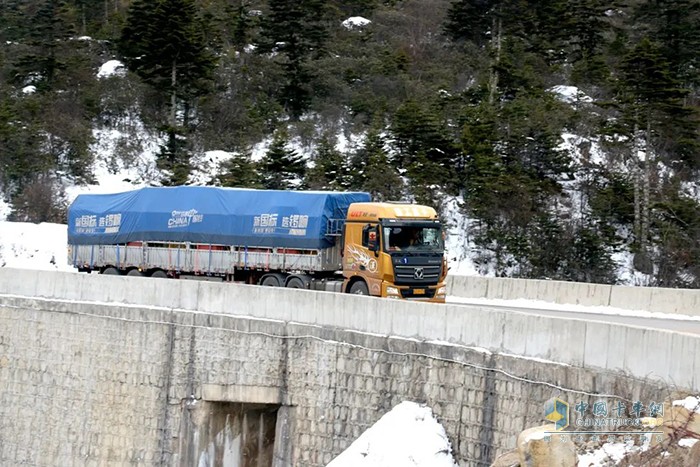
[{"x": 320, "y": 240}]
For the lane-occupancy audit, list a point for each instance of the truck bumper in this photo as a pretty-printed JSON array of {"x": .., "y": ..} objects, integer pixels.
[{"x": 433, "y": 293}]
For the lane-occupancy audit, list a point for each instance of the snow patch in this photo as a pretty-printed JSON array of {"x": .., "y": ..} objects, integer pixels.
[
  {"x": 355, "y": 22},
  {"x": 31, "y": 89},
  {"x": 687, "y": 442},
  {"x": 111, "y": 68},
  {"x": 407, "y": 436},
  {"x": 112, "y": 174},
  {"x": 5, "y": 210},
  {"x": 208, "y": 166},
  {"x": 570, "y": 94},
  {"x": 457, "y": 241},
  {"x": 34, "y": 246},
  {"x": 690, "y": 403}
]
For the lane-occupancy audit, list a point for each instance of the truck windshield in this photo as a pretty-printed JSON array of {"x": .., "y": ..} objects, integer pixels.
[{"x": 413, "y": 238}]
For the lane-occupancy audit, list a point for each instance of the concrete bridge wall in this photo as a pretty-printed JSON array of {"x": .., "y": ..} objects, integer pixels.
[
  {"x": 119, "y": 370},
  {"x": 680, "y": 301}
]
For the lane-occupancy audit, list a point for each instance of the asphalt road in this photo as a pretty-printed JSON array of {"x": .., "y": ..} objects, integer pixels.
[{"x": 675, "y": 324}]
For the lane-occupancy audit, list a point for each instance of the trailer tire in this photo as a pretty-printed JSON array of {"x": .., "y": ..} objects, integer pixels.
[
  {"x": 359, "y": 288},
  {"x": 295, "y": 283},
  {"x": 270, "y": 281},
  {"x": 134, "y": 272},
  {"x": 159, "y": 274},
  {"x": 110, "y": 271}
]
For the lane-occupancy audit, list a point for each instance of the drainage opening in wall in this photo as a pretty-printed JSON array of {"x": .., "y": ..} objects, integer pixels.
[{"x": 228, "y": 434}]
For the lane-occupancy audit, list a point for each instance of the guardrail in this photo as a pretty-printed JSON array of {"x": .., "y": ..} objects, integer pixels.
[{"x": 677, "y": 301}]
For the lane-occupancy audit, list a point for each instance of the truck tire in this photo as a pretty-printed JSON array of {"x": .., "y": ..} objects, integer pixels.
[
  {"x": 359, "y": 288},
  {"x": 295, "y": 283},
  {"x": 110, "y": 271},
  {"x": 134, "y": 272},
  {"x": 270, "y": 281},
  {"x": 159, "y": 274}
]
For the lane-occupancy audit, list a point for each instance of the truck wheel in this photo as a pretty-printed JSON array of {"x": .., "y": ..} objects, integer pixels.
[
  {"x": 111, "y": 271},
  {"x": 159, "y": 274},
  {"x": 295, "y": 283},
  {"x": 270, "y": 281},
  {"x": 134, "y": 272},
  {"x": 359, "y": 288}
]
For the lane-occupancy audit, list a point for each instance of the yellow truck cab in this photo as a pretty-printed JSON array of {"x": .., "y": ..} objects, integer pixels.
[{"x": 394, "y": 250}]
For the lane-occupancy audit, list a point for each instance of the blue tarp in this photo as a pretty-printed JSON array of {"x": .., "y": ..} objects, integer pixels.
[{"x": 226, "y": 216}]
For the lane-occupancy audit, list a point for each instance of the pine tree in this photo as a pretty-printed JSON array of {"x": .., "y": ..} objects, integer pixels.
[
  {"x": 239, "y": 172},
  {"x": 46, "y": 41},
  {"x": 417, "y": 130},
  {"x": 296, "y": 30},
  {"x": 331, "y": 170},
  {"x": 469, "y": 20},
  {"x": 163, "y": 44},
  {"x": 281, "y": 168},
  {"x": 674, "y": 25},
  {"x": 373, "y": 172},
  {"x": 653, "y": 115}
]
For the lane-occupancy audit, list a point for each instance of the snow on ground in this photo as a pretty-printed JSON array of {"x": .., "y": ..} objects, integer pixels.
[
  {"x": 208, "y": 166},
  {"x": 34, "y": 246},
  {"x": 111, "y": 68},
  {"x": 551, "y": 306},
  {"x": 691, "y": 403},
  {"x": 407, "y": 436},
  {"x": 457, "y": 239},
  {"x": 570, "y": 94},
  {"x": 355, "y": 22},
  {"x": 608, "y": 451},
  {"x": 5, "y": 209}
]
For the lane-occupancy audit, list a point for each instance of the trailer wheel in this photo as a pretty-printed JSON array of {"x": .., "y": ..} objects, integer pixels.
[
  {"x": 295, "y": 283},
  {"x": 110, "y": 271},
  {"x": 134, "y": 272},
  {"x": 359, "y": 288},
  {"x": 270, "y": 281},
  {"x": 159, "y": 274}
]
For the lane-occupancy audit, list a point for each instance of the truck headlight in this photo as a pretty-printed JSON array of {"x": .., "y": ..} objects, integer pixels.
[
  {"x": 392, "y": 291},
  {"x": 442, "y": 290}
]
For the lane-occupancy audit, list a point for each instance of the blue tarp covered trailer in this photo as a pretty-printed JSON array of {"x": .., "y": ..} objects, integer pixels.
[{"x": 209, "y": 215}]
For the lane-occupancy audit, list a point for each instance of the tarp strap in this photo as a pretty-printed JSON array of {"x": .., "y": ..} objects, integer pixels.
[
  {"x": 92, "y": 255},
  {"x": 196, "y": 260},
  {"x": 118, "y": 260},
  {"x": 170, "y": 258},
  {"x": 178, "y": 260},
  {"x": 245, "y": 258},
  {"x": 75, "y": 255},
  {"x": 210, "y": 247},
  {"x": 267, "y": 261}
]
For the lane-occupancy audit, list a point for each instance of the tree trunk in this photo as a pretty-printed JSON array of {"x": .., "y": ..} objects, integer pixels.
[
  {"x": 646, "y": 186},
  {"x": 637, "y": 189},
  {"x": 173, "y": 96},
  {"x": 493, "y": 80}
]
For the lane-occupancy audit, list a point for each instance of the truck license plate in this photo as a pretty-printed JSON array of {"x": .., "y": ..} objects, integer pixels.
[{"x": 419, "y": 291}]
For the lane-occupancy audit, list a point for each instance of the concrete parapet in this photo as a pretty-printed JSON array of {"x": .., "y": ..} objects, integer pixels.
[
  {"x": 638, "y": 351},
  {"x": 134, "y": 374},
  {"x": 681, "y": 301}
]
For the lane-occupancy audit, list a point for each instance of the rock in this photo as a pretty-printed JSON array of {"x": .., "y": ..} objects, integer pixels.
[
  {"x": 535, "y": 451},
  {"x": 678, "y": 417},
  {"x": 509, "y": 459}
]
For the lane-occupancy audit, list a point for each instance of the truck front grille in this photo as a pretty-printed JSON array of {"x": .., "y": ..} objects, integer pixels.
[{"x": 417, "y": 274}]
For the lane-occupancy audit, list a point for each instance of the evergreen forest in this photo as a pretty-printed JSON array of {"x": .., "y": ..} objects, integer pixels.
[{"x": 566, "y": 132}]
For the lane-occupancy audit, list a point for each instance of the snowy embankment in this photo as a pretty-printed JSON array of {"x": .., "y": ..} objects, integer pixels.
[{"x": 34, "y": 246}]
